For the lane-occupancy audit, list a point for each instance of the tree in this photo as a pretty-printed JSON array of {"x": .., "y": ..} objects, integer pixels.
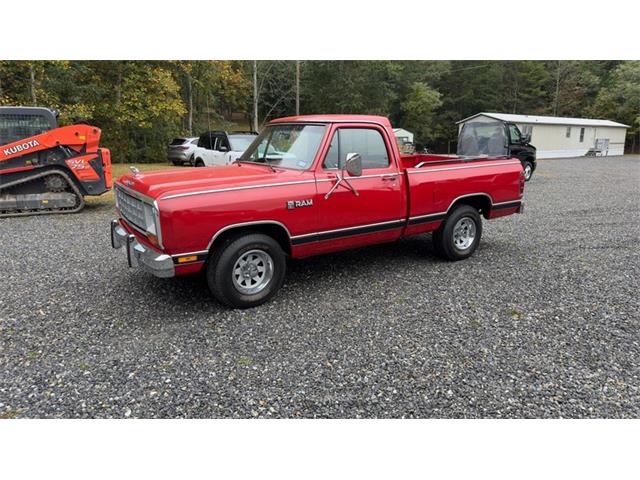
[
  {"x": 619, "y": 99},
  {"x": 418, "y": 111}
]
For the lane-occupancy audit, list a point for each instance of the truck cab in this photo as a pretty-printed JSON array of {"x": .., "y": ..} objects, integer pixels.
[{"x": 497, "y": 138}]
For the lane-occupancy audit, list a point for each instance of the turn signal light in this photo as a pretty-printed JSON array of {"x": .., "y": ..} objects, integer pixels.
[{"x": 188, "y": 258}]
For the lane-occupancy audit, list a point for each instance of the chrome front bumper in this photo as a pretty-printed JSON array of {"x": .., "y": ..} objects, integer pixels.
[{"x": 139, "y": 256}]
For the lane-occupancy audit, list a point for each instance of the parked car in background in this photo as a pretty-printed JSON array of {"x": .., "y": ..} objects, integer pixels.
[
  {"x": 221, "y": 148},
  {"x": 180, "y": 150}
]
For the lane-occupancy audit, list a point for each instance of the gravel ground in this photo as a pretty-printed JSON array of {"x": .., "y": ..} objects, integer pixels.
[{"x": 543, "y": 321}]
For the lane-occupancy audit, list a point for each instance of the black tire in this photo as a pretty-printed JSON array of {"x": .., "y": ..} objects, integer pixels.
[
  {"x": 199, "y": 163},
  {"x": 175, "y": 163},
  {"x": 444, "y": 241},
  {"x": 220, "y": 275},
  {"x": 528, "y": 170}
]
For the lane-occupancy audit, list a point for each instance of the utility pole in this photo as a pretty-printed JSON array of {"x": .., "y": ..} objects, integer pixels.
[
  {"x": 297, "y": 87},
  {"x": 555, "y": 103},
  {"x": 255, "y": 95}
]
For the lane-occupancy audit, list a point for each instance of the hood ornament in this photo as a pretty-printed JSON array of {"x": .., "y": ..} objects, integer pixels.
[{"x": 135, "y": 170}]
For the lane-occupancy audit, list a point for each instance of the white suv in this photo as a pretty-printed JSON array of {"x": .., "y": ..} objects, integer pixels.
[{"x": 221, "y": 148}]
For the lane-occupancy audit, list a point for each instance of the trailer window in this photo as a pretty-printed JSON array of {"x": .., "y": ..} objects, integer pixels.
[
  {"x": 568, "y": 134},
  {"x": 582, "y": 135}
]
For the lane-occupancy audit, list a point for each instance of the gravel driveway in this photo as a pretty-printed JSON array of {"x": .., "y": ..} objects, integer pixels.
[{"x": 543, "y": 321}]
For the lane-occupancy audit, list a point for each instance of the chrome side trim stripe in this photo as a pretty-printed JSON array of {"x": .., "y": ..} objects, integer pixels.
[
  {"x": 462, "y": 167},
  {"x": 233, "y": 189},
  {"x": 281, "y": 184}
]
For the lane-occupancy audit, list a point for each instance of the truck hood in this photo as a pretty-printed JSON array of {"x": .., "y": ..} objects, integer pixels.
[{"x": 173, "y": 181}]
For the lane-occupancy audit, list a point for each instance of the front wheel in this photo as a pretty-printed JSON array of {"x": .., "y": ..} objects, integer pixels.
[
  {"x": 246, "y": 271},
  {"x": 459, "y": 235},
  {"x": 199, "y": 163},
  {"x": 528, "y": 170}
]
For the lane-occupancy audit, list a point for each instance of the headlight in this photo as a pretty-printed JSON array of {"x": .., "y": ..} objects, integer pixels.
[{"x": 152, "y": 222}]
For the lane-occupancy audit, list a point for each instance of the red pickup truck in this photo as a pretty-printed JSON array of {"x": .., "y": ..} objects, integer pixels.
[{"x": 307, "y": 185}]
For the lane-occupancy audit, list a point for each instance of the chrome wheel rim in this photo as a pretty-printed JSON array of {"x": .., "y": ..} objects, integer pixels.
[
  {"x": 464, "y": 233},
  {"x": 252, "y": 272},
  {"x": 527, "y": 172}
]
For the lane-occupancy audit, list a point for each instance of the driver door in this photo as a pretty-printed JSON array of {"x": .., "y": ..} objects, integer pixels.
[{"x": 376, "y": 213}]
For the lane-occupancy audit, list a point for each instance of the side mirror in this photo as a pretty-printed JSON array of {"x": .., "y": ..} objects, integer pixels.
[
  {"x": 223, "y": 149},
  {"x": 353, "y": 164},
  {"x": 526, "y": 138}
]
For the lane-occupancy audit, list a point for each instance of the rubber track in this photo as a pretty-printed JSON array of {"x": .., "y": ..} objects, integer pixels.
[{"x": 45, "y": 211}]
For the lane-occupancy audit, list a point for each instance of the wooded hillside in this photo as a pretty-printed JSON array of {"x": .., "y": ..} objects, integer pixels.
[{"x": 141, "y": 105}]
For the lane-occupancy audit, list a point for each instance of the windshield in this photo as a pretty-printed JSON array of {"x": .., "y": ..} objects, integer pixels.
[
  {"x": 239, "y": 143},
  {"x": 482, "y": 138},
  {"x": 288, "y": 146}
]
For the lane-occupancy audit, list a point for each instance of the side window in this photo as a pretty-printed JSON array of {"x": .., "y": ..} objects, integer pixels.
[
  {"x": 207, "y": 141},
  {"x": 331, "y": 160},
  {"x": 367, "y": 142},
  {"x": 581, "y": 135},
  {"x": 568, "y": 134},
  {"x": 515, "y": 134},
  {"x": 223, "y": 142}
]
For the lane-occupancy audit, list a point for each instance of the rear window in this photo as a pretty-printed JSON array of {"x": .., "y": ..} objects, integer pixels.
[
  {"x": 178, "y": 141},
  {"x": 482, "y": 138}
]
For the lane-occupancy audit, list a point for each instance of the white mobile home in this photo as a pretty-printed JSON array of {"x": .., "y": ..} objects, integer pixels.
[
  {"x": 557, "y": 137},
  {"x": 403, "y": 136}
]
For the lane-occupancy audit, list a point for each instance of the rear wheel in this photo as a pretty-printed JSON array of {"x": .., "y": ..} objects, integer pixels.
[
  {"x": 458, "y": 236},
  {"x": 528, "y": 170},
  {"x": 246, "y": 270}
]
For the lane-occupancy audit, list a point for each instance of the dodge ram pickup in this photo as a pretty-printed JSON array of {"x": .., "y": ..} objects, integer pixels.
[{"x": 307, "y": 185}]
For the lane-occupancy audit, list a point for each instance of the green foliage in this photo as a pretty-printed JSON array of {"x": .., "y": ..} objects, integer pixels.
[
  {"x": 620, "y": 98},
  {"x": 419, "y": 108}
]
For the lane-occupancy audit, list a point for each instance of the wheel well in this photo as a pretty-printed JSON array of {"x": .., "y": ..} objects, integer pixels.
[
  {"x": 273, "y": 230},
  {"x": 480, "y": 202}
]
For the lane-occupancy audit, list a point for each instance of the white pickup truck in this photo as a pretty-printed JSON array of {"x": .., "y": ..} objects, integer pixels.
[{"x": 221, "y": 148}]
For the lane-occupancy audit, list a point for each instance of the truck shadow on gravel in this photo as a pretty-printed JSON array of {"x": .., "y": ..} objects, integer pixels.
[{"x": 190, "y": 293}]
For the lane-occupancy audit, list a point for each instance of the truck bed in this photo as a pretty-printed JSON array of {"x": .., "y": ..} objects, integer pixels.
[
  {"x": 418, "y": 160},
  {"x": 436, "y": 182}
]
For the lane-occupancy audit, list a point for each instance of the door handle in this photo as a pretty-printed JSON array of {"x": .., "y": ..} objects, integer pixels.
[{"x": 389, "y": 178}]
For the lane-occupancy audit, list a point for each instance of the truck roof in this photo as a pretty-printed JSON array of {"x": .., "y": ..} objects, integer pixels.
[{"x": 335, "y": 118}]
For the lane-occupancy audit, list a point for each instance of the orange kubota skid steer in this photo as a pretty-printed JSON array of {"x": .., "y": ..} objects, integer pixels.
[{"x": 45, "y": 168}]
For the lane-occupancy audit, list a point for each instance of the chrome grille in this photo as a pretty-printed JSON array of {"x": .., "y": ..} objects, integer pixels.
[{"x": 131, "y": 208}]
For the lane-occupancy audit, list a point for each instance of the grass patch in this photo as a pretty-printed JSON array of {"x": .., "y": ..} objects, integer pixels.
[
  {"x": 245, "y": 361},
  {"x": 33, "y": 354},
  {"x": 120, "y": 169},
  {"x": 475, "y": 323},
  {"x": 515, "y": 313},
  {"x": 9, "y": 414}
]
